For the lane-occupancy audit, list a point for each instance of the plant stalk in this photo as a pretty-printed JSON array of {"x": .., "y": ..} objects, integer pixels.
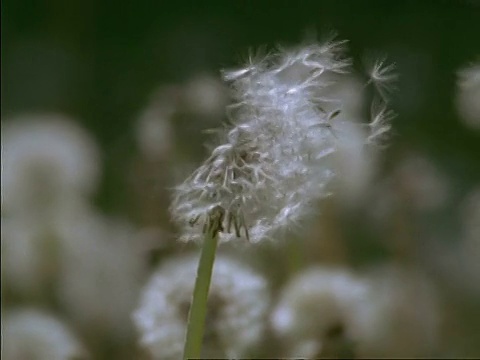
[{"x": 198, "y": 308}]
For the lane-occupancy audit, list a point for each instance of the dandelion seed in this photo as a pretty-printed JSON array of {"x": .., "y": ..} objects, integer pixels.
[
  {"x": 380, "y": 123},
  {"x": 383, "y": 76}
]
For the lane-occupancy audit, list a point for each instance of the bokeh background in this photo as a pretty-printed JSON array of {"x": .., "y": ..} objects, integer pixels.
[{"x": 113, "y": 67}]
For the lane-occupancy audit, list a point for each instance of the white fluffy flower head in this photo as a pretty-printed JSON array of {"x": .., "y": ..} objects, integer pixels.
[
  {"x": 391, "y": 312},
  {"x": 315, "y": 308},
  {"x": 237, "y": 307},
  {"x": 274, "y": 162},
  {"x": 33, "y": 334},
  {"x": 101, "y": 271},
  {"x": 468, "y": 93},
  {"x": 45, "y": 159}
]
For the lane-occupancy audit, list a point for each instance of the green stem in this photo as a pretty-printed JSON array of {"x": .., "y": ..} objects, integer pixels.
[{"x": 198, "y": 309}]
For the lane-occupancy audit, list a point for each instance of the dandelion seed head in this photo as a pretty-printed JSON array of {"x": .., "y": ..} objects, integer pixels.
[
  {"x": 470, "y": 216},
  {"x": 23, "y": 260},
  {"x": 457, "y": 263},
  {"x": 400, "y": 316},
  {"x": 237, "y": 307},
  {"x": 101, "y": 272},
  {"x": 204, "y": 95},
  {"x": 45, "y": 159},
  {"x": 354, "y": 163},
  {"x": 313, "y": 304},
  {"x": 275, "y": 161},
  {"x": 154, "y": 130},
  {"x": 467, "y": 95},
  {"x": 390, "y": 311},
  {"x": 425, "y": 185},
  {"x": 32, "y": 334}
]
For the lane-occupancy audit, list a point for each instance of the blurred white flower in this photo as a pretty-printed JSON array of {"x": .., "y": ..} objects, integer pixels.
[
  {"x": 33, "y": 334},
  {"x": 28, "y": 250},
  {"x": 400, "y": 317},
  {"x": 469, "y": 271},
  {"x": 424, "y": 184},
  {"x": 45, "y": 159},
  {"x": 317, "y": 311},
  {"x": 470, "y": 213},
  {"x": 154, "y": 130},
  {"x": 468, "y": 95},
  {"x": 275, "y": 161},
  {"x": 458, "y": 261},
  {"x": 416, "y": 183},
  {"x": 34, "y": 245},
  {"x": 354, "y": 162},
  {"x": 202, "y": 98},
  {"x": 205, "y": 95},
  {"x": 325, "y": 312},
  {"x": 102, "y": 270},
  {"x": 237, "y": 307},
  {"x": 92, "y": 263}
]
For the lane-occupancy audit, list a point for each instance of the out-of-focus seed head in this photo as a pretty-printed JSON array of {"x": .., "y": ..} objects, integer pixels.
[
  {"x": 468, "y": 93},
  {"x": 400, "y": 317},
  {"x": 204, "y": 95},
  {"x": 236, "y": 309},
  {"x": 45, "y": 160},
  {"x": 33, "y": 334},
  {"x": 316, "y": 312},
  {"x": 101, "y": 272},
  {"x": 328, "y": 312}
]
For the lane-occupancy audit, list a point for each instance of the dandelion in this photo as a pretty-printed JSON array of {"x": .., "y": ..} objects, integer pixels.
[
  {"x": 28, "y": 264},
  {"x": 154, "y": 131},
  {"x": 316, "y": 312},
  {"x": 101, "y": 272},
  {"x": 46, "y": 159},
  {"x": 204, "y": 95},
  {"x": 400, "y": 316},
  {"x": 471, "y": 218},
  {"x": 354, "y": 163},
  {"x": 274, "y": 162},
  {"x": 237, "y": 308},
  {"x": 389, "y": 312},
  {"x": 424, "y": 184},
  {"x": 467, "y": 95},
  {"x": 34, "y": 334},
  {"x": 457, "y": 262}
]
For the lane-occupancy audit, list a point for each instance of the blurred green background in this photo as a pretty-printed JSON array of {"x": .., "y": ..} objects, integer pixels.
[{"x": 99, "y": 60}]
